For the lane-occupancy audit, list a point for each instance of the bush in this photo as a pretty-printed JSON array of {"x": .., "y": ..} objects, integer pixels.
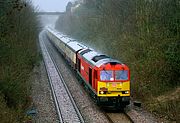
[{"x": 18, "y": 54}]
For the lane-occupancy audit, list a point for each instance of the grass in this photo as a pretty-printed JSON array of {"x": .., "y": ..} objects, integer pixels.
[{"x": 167, "y": 105}]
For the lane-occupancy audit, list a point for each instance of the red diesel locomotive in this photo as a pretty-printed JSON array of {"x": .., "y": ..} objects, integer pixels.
[{"x": 107, "y": 79}]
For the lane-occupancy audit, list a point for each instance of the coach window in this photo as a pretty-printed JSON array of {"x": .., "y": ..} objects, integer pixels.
[
  {"x": 106, "y": 75},
  {"x": 121, "y": 75}
]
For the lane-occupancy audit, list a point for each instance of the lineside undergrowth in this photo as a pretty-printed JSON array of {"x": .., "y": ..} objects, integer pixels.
[{"x": 18, "y": 55}]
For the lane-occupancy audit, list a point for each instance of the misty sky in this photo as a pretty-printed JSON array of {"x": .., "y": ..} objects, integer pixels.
[{"x": 51, "y": 5}]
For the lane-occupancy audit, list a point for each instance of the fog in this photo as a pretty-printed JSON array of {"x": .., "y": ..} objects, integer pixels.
[
  {"x": 48, "y": 20},
  {"x": 50, "y": 5}
]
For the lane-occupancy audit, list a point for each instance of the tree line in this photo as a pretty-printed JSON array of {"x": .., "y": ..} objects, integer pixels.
[
  {"x": 144, "y": 34},
  {"x": 18, "y": 55}
]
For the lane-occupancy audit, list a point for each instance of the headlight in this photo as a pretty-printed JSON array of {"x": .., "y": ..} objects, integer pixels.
[{"x": 126, "y": 92}]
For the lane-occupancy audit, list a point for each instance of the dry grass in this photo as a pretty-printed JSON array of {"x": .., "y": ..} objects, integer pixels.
[
  {"x": 167, "y": 105},
  {"x": 6, "y": 115}
]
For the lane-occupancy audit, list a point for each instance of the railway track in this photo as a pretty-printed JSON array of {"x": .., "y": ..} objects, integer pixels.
[
  {"x": 66, "y": 107},
  {"x": 116, "y": 116},
  {"x": 119, "y": 118}
]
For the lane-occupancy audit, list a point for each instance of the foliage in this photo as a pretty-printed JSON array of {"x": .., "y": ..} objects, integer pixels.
[
  {"x": 167, "y": 107},
  {"x": 6, "y": 115},
  {"x": 142, "y": 33},
  {"x": 18, "y": 54}
]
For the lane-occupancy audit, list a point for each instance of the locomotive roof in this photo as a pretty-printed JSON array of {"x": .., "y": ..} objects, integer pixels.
[
  {"x": 105, "y": 61},
  {"x": 97, "y": 59}
]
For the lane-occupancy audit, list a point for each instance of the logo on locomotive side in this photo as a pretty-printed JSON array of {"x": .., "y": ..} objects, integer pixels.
[{"x": 82, "y": 67}]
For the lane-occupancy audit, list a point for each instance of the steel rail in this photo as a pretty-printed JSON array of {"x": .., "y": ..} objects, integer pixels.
[
  {"x": 112, "y": 121},
  {"x": 109, "y": 111},
  {"x": 129, "y": 117},
  {"x": 69, "y": 93},
  {"x": 46, "y": 53},
  {"x": 50, "y": 82}
]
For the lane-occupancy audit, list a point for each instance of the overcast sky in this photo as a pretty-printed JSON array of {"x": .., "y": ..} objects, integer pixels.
[{"x": 51, "y": 5}]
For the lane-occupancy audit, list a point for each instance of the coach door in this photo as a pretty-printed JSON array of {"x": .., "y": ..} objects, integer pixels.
[{"x": 90, "y": 76}]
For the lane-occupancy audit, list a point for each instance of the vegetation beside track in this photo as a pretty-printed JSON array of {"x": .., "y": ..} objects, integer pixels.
[
  {"x": 143, "y": 34},
  {"x": 18, "y": 55}
]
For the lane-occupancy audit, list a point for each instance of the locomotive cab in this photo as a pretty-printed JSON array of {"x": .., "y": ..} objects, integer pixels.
[
  {"x": 113, "y": 83},
  {"x": 114, "y": 78}
]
